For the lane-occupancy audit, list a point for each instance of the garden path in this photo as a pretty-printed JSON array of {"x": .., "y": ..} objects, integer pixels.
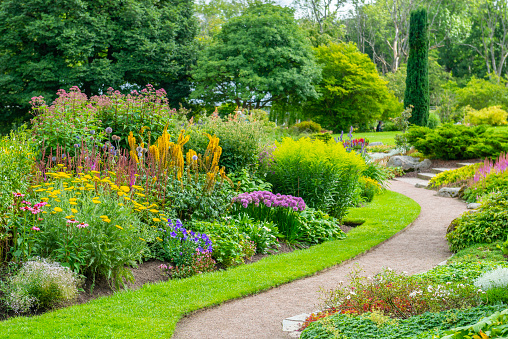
[{"x": 416, "y": 249}]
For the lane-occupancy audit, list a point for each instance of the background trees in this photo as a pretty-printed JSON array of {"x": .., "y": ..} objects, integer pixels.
[
  {"x": 47, "y": 45},
  {"x": 258, "y": 58}
]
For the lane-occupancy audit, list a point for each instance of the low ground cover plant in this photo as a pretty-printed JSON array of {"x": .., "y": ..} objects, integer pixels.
[
  {"x": 493, "y": 326},
  {"x": 454, "y": 178}
]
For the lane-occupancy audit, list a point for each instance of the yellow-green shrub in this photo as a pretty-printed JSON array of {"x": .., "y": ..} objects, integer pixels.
[
  {"x": 454, "y": 177},
  {"x": 493, "y": 115},
  {"x": 324, "y": 174}
]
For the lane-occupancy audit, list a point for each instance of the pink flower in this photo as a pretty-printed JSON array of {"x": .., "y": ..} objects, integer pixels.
[
  {"x": 17, "y": 194},
  {"x": 81, "y": 225},
  {"x": 72, "y": 221},
  {"x": 35, "y": 228}
]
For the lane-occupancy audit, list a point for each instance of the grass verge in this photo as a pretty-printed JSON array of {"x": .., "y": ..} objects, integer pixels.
[
  {"x": 387, "y": 138},
  {"x": 154, "y": 310}
]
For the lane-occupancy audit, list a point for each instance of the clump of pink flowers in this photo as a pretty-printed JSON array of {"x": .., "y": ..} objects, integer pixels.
[
  {"x": 270, "y": 200},
  {"x": 500, "y": 165}
]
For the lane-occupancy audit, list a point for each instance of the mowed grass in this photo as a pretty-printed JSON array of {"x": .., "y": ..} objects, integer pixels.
[
  {"x": 154, "y": 310},
  {"x": 387, "y": 138}
]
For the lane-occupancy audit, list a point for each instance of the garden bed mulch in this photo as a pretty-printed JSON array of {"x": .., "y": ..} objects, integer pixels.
[{"x": 146, "y": 272}]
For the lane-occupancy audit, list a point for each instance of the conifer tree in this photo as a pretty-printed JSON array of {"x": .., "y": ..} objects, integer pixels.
[{"x": 417, "y": 81}]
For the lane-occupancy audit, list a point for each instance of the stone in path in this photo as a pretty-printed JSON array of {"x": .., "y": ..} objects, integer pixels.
[{"x": 416, "y": 249}]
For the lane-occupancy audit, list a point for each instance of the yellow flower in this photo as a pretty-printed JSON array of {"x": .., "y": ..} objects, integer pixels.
[
  {"x": 96, "y": 201},
  {"x": 120, "y": 204},
  {"x": 112, "y": 173},
  {"x": 158, "y": 239},
  {"x": 156, "y": 219},
  {"x": 103, "y": 216},
  {"x": 142, "y": 239},
  {"x": 145, "y": 203},
  {"x": 164, "y": 219},
  {"x": 120, "y": 193},
  {"x": 127, "y": 198},
  {"x": 48, "y": 205},
  {"x": 40, "y": 190},
  {"x": 73, "y": 210},
  {"x": 44, "y": 211},
  {"x": 77, "y": 193},
  {"x": 125, "y": 189},
  {"x": 58, "y": 209},
  {"x": 58, "y": 200},
  {"x": 36, "y": 186},
  {"x": 154, "y": 211},
  {"x": 73, "y": 203},
  {"x": 73, "y": 199},
  {"x": 45, "y": 199},
  {"x": 60, "y": 165},
  {"x": 95, "y": 172},
  {"x": 70, "y": 217},
  {"x": 139, "y": 194},
  {"x": 107, "y": 220},
  {"x": 120, "y": 227}
]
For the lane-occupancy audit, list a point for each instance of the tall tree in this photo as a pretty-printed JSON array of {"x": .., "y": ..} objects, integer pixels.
[
  {"x": 46, "y": 45},
  {"x": 258, "y": 58},
  {"x": 417, "y": 80}
]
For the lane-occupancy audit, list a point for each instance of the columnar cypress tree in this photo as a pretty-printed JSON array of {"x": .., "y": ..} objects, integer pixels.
[{"x": 417, "y": 81}]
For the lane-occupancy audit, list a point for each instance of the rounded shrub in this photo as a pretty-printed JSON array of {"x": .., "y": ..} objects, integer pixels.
[
  {"x": 324, "y": 174},
  {"x": 307, "y": 127}
]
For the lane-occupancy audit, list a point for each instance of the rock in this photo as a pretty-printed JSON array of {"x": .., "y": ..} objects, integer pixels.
[
  {"x": 473, "y": 205},
  {"x": 451, "y": 192},
  {"x": 418, "y": 185},
  {"x": 408, "y": 163},
  {"x": 452, "y": 225},
  {"x": 376, "y": 143}
]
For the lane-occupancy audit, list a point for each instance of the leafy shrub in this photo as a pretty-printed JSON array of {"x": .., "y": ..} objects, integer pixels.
[
  {"x": 279, "y": 209},
  {"x": 325, "y": 175},
  {"x": 433, "y": 121},
  {"x": 455, "y": 177},
  {"x": 488, "y": 224},
  {"x": 230, "y": 246},
  {"x": 249, "y": 182},
  {"x": 307, "y": 127},
  {"x": 493, "y": 116},
  {"x": 40, "y": 283},
  {"x": 390, "y": 126},
  {"x": 377, "y": 172},
  {"x": 369, "y": 325},
  {"x": 493, "y": 326},
  {"x": 369, "y": 188},
  {"x": 17, "y": 152},
  {"x": 240, "y": 139},
  {"x": 316, "y": 227},
  {"x": 201, "y": 262},
  {"x": 398, "y": 295},
  {"x": 497, "y": 277},
  {"x": 457, "y": 141}
]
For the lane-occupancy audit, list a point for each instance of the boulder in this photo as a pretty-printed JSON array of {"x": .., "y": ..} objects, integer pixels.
[
  {"x": 409, "y": 163},
  {"x": 451, "y": 192},
  {"x": 473, "y": 205}
]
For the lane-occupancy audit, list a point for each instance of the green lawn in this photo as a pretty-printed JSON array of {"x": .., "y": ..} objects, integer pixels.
[
  {"x": 154, "y": 310},
  {"x": 387, "y": 138}
]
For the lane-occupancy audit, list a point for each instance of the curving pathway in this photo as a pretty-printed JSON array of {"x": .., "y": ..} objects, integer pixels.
[{"x": 416, "y": 249}]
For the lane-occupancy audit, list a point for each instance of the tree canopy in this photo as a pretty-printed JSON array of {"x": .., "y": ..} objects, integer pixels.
[
  {"x": 351, "y": 91},
  {"x": 257, "y": 58},
  {"x": 46, "y": 45}
]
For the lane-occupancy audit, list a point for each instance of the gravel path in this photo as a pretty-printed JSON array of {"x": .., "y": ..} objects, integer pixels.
[{"x": 417, "y": 249}]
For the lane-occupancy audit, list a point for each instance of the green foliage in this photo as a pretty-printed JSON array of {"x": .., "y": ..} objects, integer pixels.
[
  {"x": 493, "y": 326},
  {"x": 402, "y": 124},
  {"x": 307, "y": 127},
  {"x": 454, "y": 177},
  {"x": 417, "y": 81},
  {"x": 249, "y": 182},
  {"x": 420, "y": 326},
  {"x": 433, "y": 121},
  {"x": 369, "y": 188},
  {"x": 451, "y": 142},
  {"x": 317, "y": 227},
  {"x": 40, "y": 283},
  {"x": 258, "y": 57},
  {"x": 478, "y": 253},
  {"x": 492, "y": 182},
  {"x": 488, "y": 224},
  {"x": 17, "y": 152},
  {"x": 47, "y": 46},
  {"x": 493, "y": 116},
  {"x": 460, "y": 272},
  {"x": 351, "y": 92},
  {"x": 483, "y": 93},
  {"x": 323, "y": 174}
]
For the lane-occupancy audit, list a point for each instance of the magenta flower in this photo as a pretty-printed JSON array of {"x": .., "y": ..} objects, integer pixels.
[
  {"x": 81, "y": 225},
  {"x": 35, "y": 228}
]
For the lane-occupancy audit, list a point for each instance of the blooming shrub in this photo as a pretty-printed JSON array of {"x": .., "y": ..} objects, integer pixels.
[
  {"x": 497, "y": 277},
  {"x": 40, "y": 283},
  {"x": 325, "y": 175},
  {"x": 201, "y": 262},
  {"x": 489, "y": 223},
  {"x": 488, "y": 177},
  {"x": 266, "y": 206},
  {"x": 399, "y": 296}
]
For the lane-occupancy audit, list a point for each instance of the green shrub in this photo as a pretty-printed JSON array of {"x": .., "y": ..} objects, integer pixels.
[
  {"x": 496, "y": 295},
  {"x": 246, "y": 181},
  {"x": 451, "y": 142},
  {"x": 325, "y": 137},
  {"x": 325, "y": 175},
  {"x": 307, "y": 127},
  {"x": 317, "y": 227},
  {"x": 390, "y": 126},
  {"x": 489, "y": 177},
  {"x": 433, "y": 121},
  {"x": 455, "y": 177},
  {"x": 369, "y": 188},
  {"x": 40, "y": 283},
  {"x": 493, "y": 116},
  {"x": 489, "y": 223},
  {"x": 420, "y": 326},
  {"x": 460, "y": 272}
]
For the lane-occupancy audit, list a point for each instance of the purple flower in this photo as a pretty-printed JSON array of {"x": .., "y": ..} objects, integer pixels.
[{"x": 172, "y": 234}]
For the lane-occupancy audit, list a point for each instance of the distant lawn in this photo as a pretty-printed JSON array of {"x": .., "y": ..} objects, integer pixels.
[
  {"x": 154, "y": 310},
  {"x": 387, "y": 138}
]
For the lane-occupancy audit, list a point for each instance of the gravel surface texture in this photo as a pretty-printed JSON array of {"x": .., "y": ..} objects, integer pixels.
[{"x": 416, "y": 249}]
